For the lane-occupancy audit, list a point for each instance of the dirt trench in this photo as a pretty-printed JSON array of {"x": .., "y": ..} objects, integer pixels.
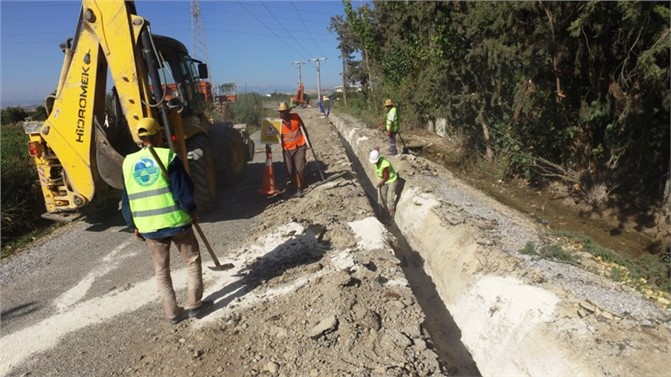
[{"x": 518, "y": 314}]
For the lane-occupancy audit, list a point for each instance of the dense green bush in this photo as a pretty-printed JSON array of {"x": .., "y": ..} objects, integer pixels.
[
  {"x": 21, "y": 200},
  {"x": 582, "y": 87},
  {"x": 248, "y": 108},
  {"x": 13, "y": 115}
]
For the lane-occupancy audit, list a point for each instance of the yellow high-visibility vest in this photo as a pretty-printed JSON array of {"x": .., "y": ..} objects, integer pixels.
[
  {"x": 149, "y": 196},
  {"x": 379, "y": 168}
]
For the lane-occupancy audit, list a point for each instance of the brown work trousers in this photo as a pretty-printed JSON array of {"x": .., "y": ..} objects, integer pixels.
[
  {"x": 295, "y": 162},
  {"x": 387, "y": 197},
  {"x": 187, "y": 244}
]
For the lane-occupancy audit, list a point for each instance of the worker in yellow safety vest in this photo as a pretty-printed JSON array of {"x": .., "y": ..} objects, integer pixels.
[
  {"x": 387, "y": 182},
  {"x": 157, "y": 203},
  {"x": 391, "y": 125}
]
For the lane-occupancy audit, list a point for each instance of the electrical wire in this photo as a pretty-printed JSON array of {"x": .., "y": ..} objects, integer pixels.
[
  {"x": 306, "y": 28},
  {"x": 267, "y": 28},
  {"x": 285, "y": 29}
]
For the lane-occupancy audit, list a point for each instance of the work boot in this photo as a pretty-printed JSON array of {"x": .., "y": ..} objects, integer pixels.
[
  {"x": 178, "y": 319},
  {"x": 299, "y": 193},
  {"x": 198, "y": 312}
]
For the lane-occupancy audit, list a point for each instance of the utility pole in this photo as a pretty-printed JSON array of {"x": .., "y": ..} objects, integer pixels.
[
  {"x": 319, "y": 84},
  {"x": 344, "y": 82},
  {"x": 198, "y": 43},
  {"x": 298, "y": 64}
]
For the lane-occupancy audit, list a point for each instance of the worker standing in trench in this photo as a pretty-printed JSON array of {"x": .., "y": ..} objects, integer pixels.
[
  {"x": 161, "y": 210},
  {"x": 386, "y": 184},
  {"x": 391, "y": 125}
]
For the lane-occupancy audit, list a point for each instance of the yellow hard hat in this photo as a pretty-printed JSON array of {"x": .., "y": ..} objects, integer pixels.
[
  {"x": 388, "y": 102},
  {"x": 283, "y": 107},
  {"x": 147, "y": 127}
]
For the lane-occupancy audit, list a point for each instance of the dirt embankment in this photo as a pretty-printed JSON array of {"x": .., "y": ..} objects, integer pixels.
[{"x": 520, "y": 309}]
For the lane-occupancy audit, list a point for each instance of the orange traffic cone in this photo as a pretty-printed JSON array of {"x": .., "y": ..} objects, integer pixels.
[{"x": 268, "y": 184}]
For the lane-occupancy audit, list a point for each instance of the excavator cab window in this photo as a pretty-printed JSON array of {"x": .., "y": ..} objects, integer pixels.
[
  {"x": 194, "y": 70},
  {"x": 170, "y": 88},
  {"x": 202, "y": 71}
]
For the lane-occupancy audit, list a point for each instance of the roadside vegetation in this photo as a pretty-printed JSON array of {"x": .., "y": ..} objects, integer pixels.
[
  {"x": 647, "y": 274},
  {"x": 22, "y": 202},
  {"x": 545, "y": 92},
  {"x": 574, "y": 93},
  {"x": 570, "y": 91}
]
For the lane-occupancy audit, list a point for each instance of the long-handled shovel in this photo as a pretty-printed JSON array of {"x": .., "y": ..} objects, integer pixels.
[
  {"x": 314, "y": 154},
  {"x": 406, "y": 150},
  {"x": 217, "y": 266}
]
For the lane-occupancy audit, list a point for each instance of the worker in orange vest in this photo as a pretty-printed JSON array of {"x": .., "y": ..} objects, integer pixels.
[{"x": 294, "y": 146}]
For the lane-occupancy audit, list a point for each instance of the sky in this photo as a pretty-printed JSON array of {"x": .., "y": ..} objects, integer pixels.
[{"x": 253, "y": 44}]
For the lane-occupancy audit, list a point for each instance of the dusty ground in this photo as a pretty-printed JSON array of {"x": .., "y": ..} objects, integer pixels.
[{"x": 317, "y": 290}]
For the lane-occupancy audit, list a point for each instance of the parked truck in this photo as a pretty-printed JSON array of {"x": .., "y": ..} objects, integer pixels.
[{"x": 78, "y": 151}]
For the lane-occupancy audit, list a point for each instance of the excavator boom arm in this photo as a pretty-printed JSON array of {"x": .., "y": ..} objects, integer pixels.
[{"x": 107, "y": 37}]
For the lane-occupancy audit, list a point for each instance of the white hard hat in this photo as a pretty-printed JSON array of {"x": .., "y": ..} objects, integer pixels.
[{"x": 374, "y": 156}]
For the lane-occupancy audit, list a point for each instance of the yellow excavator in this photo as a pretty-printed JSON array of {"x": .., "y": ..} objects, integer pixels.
[{"x": 78, "y": 151}]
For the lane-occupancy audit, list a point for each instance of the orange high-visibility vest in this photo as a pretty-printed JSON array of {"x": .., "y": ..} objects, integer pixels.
[{"x": 292, "y": 137}]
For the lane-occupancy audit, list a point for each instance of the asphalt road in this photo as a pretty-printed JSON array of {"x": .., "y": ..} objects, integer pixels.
[{"x": 84, "y": 274}]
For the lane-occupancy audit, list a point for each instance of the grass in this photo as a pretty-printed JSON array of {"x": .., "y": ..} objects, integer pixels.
[
  {"x": 22, "y": 201},
  {"x": 15, "y": 244},
  {"x": 552, "y": 252},
  {"x": 649, "y": 274}
]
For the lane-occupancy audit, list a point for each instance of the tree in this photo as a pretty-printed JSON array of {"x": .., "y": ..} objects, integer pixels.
[
  {"x": 13, "y": 115},
  {"x": 582, "y": 86},
  {"x": 40, "y": 113}
]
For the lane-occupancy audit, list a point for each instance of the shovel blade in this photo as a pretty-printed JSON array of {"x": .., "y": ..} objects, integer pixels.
[{"x": 221, "y": 267}]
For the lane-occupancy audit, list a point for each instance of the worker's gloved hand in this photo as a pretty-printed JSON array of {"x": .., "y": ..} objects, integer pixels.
[
  {"x": 194, "y": 217},
  {"x": 138, "y": 235},
  {"x": 390, "y": 132}
]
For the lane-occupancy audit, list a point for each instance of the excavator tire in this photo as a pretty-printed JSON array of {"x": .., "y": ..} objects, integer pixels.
[
  {"x": 230, "y": 158},
  {"x": 199, "y": 155}
]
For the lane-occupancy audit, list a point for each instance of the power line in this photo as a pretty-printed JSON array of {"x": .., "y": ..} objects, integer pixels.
[
  {"x": 267, "y": 28},
  {"x": 287, "y": 31},
  {"x": 306, "y": 28},
  {"x": 198, "y": 41}
]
